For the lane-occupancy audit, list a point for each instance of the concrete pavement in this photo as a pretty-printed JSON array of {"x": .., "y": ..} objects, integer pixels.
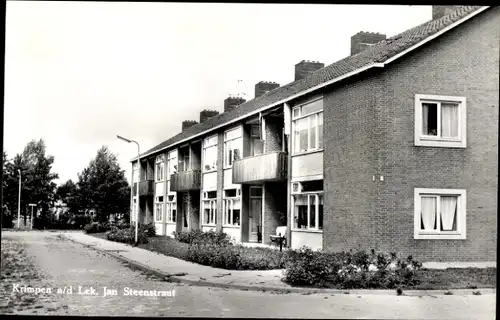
[{"x": 63, "y": 263}]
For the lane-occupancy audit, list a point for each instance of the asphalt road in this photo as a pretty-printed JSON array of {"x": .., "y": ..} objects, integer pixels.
[{"x": 61, "y": 263}]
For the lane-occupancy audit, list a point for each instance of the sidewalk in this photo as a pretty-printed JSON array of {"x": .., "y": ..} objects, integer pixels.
[{"x": 178, "y": 270}]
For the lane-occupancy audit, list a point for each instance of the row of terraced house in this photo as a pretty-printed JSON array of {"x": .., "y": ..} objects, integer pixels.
[{"x": 393, "y": 148}]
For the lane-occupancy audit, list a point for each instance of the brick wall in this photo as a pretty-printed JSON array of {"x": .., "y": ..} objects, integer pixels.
[
  {"x": 274, "y": 199},
  {"x": 369, "y": 130},
  {"x": 273, "y": 135}
]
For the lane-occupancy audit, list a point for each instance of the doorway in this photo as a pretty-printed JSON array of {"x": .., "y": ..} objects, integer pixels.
[{"x": 255, "y": 214}]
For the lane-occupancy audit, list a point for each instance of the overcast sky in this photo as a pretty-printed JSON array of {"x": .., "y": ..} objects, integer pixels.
[{"x": 78, "y": 73}]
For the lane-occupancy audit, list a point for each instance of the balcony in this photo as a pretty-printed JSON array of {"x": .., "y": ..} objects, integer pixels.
[
  {"x": 185, "y": 180},
  {"x": 263, "y": 167},
  {"x": 146, "y": 188}
]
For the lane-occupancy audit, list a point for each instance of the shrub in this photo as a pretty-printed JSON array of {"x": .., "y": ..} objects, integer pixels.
[
  {"x": 125, "y": 235},
  {"x": 350, "y": 270},
  {"x": 148, "y": 229},
  {"x": 217, "y": 238},
  {"x": 96, "y": 227}
]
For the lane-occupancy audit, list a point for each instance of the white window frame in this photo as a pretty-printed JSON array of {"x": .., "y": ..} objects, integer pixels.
[
  {"x": 228, "y": 205},
  {"x": 316, "y": 194},
  {"x": 160, "y": 168},
  {"x": 169, "y": 206},
  {"x": 226, "y": 142},
  {"x": 212, "y": 205},
  {"x": 158, "y": 216},
  {"x": 134, "y": 208},
  {"x": 210, "y": 142},
  {"x": 437, "y": 141},
  {"x": 171, "y": 159},
  {"x": 298, "y": 115},
  {"x": 460, "y": 233}
]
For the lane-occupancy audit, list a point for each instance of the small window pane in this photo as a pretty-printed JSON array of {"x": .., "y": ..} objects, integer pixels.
[
  {"x": 312, "y": 107},
  {"x": 236, "y": 217},
  {"x": 449, "y": 120},
  {"x": 428, "y": 214},
  {"x": 300, "y": 211},
  {"x": 312, "y": 211},
  {"x": 320, "y": 212},
  {"x": 256, "y": 192},
  {"x": 429, "y": 119},
  {"x": 448, "y": 213},
  {"x": 296, "y": 112},
  {"x": 320, "y": 130},
  {"x": 312, "y": 137},
  {"x": 300, "y": 134}
]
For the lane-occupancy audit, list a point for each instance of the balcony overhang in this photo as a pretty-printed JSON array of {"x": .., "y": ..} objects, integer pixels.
[
  {"x": 146, "y": 188},
  {"x": 185, "y": 181},
  {"x": 270, "y": 167}
]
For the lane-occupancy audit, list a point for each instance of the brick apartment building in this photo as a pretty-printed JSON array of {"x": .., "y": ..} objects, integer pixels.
[{"x": 392, "y": 148}]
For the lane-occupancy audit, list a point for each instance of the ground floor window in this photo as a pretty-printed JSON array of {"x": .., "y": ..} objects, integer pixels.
[
  {"x": 171, "y": 208},
  {"x": 307, "y": 204},
  {"x": 159, "y": 208},
  {"x": 209, "y": 204},
  {"x": 440, "y": 213},
  {"x": 232, "y": 207}
]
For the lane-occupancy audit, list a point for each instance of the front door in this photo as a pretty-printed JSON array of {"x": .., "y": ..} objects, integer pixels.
[{"x": 255, "y": 215}]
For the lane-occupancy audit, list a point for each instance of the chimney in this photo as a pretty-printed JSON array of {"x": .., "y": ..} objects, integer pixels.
[
  {"x": 305, "y": 67},
  {"x": 186, "y": 124},
  {"x": 232, "y": 102},
  {"x": 441, "y": 11},
  {"x": 263, "y": 87},
  {"x": 205, "y": 114},
  {"x": 362, "y": 40}
]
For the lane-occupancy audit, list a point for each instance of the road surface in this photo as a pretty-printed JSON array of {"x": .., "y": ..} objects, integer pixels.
[{"x": 63, "y": 264}]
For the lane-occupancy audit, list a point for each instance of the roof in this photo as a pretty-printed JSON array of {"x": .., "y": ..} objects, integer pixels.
[{"x": 378, "y": 53}]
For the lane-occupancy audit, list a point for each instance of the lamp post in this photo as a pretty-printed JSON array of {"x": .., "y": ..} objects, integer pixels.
[
  {"x": 19, "y": 201},
  {"x": 31, "y": 221},
  {"x": 132, "y": 187}
]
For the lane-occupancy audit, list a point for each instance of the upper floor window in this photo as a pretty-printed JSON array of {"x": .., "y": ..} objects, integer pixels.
[
  {"x": 307, "y": 121},
  {"x": 307, "y": 199},
  {"x": 171, "y": 163},
  {"x": 135, "y": 172},
  {"x": 256, "y": 142},
  {"x": 233, "y": 144},
  {"x": 159, "y": 168},
  {"x": 440, "y": 213},
  {"x": 210, "y": 154},
  {"x": 440, "y": 121},
  {"x": 184, "y": 155}
]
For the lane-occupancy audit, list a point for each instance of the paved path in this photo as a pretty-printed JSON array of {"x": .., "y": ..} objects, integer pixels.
[{"x": 66, "y": 263}]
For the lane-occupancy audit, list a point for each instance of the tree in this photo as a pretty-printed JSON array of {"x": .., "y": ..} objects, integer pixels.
[
  {"x": 68, "y": 194},
  {"x": 102, "y": 186}
]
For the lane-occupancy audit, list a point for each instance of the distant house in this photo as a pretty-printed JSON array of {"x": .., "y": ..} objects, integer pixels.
[{"x": 393, "y": 148}]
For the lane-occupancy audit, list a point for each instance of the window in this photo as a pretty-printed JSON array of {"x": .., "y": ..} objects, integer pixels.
[
  {"x": 307, "y": 204},
  {"x": 134, "y": 209},
  {"x": 308, "y": 127},
  {"x": 159, "y": 208},
  {"x": 440, "y": 213},
  {"x": 184, "y": 154},
  {"x": 256, "y": 144},
  {"x": 233, "y": 143},
  {"x": 232, "y": 207},
  {"x": 210, "y": 154},
  {"x": 135, "y": 172},
  {"x": 209, "y": 207},
  {"x": 159, "y": 168},
  {"x": 171, "y": 164},
  {"x": 171, "y": 210},
  {"x": 440, "y": 121}
]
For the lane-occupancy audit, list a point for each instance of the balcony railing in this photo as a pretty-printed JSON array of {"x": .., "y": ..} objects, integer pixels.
[
  {"x": 264, "y": 167},
  {"x": 146, "y": 188},
  {"x": 185, "y": 180}
]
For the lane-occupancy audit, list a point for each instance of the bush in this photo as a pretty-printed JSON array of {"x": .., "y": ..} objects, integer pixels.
[
  {"x": 125, "y": 235},
  {"x": 97, "y": 227},
  {"x": 359, "y": 270},
  {"x": 217, "y": 238},
  {"x": 148, "y": 229}
]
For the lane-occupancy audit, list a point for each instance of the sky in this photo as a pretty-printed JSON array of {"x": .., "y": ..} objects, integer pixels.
[{"x": 79, "y": 73}]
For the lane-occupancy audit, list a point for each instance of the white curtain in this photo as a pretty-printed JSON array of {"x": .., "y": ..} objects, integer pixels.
[
  {"x": 425, "y": 119},
  {"x": 428, "y": 212},
  {"x": 448, "y": 212},
  {"x": 449, "y": 120}
]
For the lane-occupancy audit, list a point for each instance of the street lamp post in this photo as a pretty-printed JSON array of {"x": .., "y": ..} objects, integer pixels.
[
  {"x": 19, "y": 201},
  {"x": 31, "y": 221},
  {"x": 132, "y": 187}
]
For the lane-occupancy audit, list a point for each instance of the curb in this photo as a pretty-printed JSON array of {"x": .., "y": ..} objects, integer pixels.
[{"x": 176, "y": 278}]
